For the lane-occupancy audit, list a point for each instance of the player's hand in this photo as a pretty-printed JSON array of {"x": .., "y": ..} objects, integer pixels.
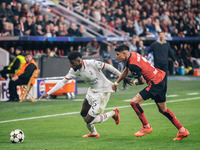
[
  {"x": 176, "y": 64},
  {"x": 15, "y": 78},
  {"x": 44, "y": 95},
  {"x": 114, "y": 87},
  {"x": 128, "y": 81},
  {"x": 136, "y": 82}
]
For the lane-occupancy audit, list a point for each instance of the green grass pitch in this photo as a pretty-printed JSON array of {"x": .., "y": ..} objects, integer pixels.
[{"x": 63, "y": 132}]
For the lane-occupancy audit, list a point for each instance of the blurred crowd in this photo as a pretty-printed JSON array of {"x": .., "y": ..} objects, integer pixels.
[
  {"x": 144, "y": 17},
  {"x": 135, "y": 18},
  {"x": 132, "y": 17},
  {"x": 17, "y": 19}
]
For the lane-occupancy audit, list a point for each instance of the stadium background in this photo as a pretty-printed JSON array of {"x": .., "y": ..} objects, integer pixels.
[{"x": 51, "y": 29}]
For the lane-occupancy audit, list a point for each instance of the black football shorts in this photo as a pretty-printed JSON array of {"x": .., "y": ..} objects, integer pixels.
[{"x": 157, "y": 92}]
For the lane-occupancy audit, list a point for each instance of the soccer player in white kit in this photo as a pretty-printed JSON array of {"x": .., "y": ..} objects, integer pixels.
[{"x": 98, "y": 93}]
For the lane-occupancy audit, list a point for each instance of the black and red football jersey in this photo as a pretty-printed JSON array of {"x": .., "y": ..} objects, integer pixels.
[{"x": 138, "y": 65}]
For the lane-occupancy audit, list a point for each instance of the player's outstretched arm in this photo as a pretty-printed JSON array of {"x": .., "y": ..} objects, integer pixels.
[
  {"x": 123, "y": 75},
  {"x": 59, "y": 85},
  {"x": 112, "y": 69},
  {"x": 44, "y": 95}
]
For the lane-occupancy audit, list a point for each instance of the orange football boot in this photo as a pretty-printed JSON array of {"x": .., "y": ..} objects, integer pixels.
[
  {"x": 116, "y": 116},
  {"x": 182, "y": 135},
  {"x": 143, "y": 131},
  {"x": 90, "y": 135}
]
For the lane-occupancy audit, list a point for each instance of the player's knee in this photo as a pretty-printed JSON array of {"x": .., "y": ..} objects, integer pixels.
[
  {"x": 133, "y": 104},
  {"x": 83, "y": 113},
  {"x": 136, "y": 107},
  {"x": 162, "y": 110}
]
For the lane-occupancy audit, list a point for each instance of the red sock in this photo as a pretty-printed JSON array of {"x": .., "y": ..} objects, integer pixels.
[
  {"x": 173, "y": 119},
  {"x": 139, "y": 111}
]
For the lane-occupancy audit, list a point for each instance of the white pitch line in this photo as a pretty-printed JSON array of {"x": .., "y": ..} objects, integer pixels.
[
  {"x": 192, "y": 93},
  {"x": 171, "y": 95},
  {"x": 71, "y": 113}
]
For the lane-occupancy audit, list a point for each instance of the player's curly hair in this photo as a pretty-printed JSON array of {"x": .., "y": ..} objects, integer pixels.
[
  {"x": 122, "y": 47},
  {"x": 73, "y": 55}
]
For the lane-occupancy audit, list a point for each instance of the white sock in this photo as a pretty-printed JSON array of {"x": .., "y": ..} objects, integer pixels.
[
  {"x": 103, "y": 117},
  {"x": 91, "y": 128}
]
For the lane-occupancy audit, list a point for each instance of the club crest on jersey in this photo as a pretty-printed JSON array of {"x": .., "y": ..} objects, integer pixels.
[{"x": 100, "y": 63}]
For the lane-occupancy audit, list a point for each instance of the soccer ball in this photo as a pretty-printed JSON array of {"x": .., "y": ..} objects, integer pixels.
[{"x": 17, "y": 136}]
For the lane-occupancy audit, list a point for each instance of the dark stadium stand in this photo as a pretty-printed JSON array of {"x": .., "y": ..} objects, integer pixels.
[{"x": 137, "y": 19}]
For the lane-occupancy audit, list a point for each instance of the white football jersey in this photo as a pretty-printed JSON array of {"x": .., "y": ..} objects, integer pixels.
[{"x": 91, "y": 73}]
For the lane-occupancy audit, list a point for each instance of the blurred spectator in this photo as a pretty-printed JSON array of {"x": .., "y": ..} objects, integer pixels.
[
  {"x": 22, "y": 22},
  {"x": 2, "y": 21},
  {"x": 48, "y": 52},
  {"x": 29, "y": 26},
  {"x": 92, "y": 48},
  {"x": 48, "y": 32},
  {"x": 60, "y": 20},
  {"x": 132, "y": 45},
  {"x": 142, "y": 49},
  {"x": 107, "y": 59},
  {"x": 72, "y": 29},
  {"x": 107, "y": 55},
  {"x": 31, "y": 12},
  {"x": 15, "y": 20},
  {"x": 55, "y": 52},
  {"x": 9, "y": 12},
  {"x": 71, "y": 48},
  {"x": 11, "y": 54},
  {"x": 3, "y": 9},
  {"x": 39, "y": 31},
  {"x": 23, "y": 77},
  {"x": 24, "y": 10},
  {"x": 39, "y": 20},
  {"x": 17, "y": 10},
  {"x": 16, "y": 64},
  {"x": 139, "y": 29},
  {"x": 6, "y": 31},
  {"x": 80, "y": 31},
  {"x": 186, "y": 56},
  {"x": 196, "y": 56},
  {"x": 18, "y": 30},
  {"x": 161, "y": 52},
  {"x": 62, "y": 31},
  {"x": 55, "y": 20},
  {"x": 46, "y": 20}
]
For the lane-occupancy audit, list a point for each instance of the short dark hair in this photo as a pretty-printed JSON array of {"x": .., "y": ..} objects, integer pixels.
[
  {"x": 19, "y": 48},
  {"x": 122, "y": 48},
  {"x": 73, "y": 55},
  {"x": 27, "y": 54}
]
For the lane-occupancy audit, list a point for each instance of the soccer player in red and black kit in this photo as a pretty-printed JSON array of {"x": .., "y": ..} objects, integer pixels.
[{"x": 156, "y": 79}]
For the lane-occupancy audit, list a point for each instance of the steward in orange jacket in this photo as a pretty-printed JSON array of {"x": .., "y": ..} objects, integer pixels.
[{"x": 23, "y": 77}]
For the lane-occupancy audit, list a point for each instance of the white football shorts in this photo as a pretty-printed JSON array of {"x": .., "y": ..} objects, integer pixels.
[{"x": 98, "y": 102}]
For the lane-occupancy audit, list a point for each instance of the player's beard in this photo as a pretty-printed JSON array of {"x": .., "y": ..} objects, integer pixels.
[{"x": 78, "y": 67}]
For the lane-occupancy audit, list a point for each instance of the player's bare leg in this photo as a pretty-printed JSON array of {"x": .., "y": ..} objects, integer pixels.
[
  {"x": 101, "y": 118},
  {"x": 84, "y": 112},
  {"x": 170, "y": 115},
  {"x": 146, "y": 128}
]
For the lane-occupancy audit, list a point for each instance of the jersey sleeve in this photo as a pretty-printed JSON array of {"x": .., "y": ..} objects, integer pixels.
[
  {"x": 61, "y": 83},
  {"x": 135, "y": 70},
  {"x": 98, "y": 64},
  {"x": 71, "y": 74},
  {"x": 112, "y": 69}
]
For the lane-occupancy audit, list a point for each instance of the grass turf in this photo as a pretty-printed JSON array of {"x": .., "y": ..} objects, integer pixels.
[{"x": 64, "y": 132}]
